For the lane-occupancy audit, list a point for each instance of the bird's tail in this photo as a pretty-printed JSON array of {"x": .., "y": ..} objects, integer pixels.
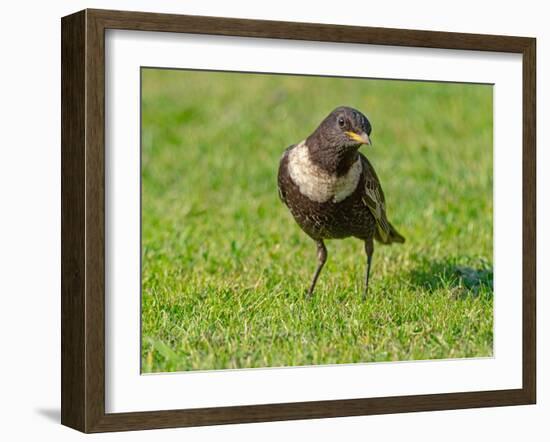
[{"x": 394, "y": 236}]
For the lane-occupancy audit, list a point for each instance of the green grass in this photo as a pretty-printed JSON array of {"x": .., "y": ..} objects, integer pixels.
[{"x": 225, "y": 267}]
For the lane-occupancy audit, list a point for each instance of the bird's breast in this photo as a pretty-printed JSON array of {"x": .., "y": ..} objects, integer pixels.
[{"x": 317, "y": 184}]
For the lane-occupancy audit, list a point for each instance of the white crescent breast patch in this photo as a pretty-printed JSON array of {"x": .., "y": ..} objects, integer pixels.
[{"x": 317, "y": 184}]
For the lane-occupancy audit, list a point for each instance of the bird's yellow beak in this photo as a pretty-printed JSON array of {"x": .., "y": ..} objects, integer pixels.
[{"x": 362, "y": 138}]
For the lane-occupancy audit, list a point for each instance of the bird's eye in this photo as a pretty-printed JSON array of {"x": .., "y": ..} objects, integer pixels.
[{"x": 341, "y": 122}]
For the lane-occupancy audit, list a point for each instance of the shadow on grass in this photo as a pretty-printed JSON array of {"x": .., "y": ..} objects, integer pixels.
[{"x": 460, "y": 280}]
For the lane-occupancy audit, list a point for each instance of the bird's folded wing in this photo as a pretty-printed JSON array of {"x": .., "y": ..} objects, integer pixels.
[
  {"x": 374, "y": 199},
  {"x": 283, "y": 164}
]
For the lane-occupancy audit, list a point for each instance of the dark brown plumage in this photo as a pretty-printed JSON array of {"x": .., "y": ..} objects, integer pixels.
[{"x": 332, "y": 190}]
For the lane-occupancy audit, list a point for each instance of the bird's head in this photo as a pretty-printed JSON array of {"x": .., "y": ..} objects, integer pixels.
[{"x": 344, "y": 128}]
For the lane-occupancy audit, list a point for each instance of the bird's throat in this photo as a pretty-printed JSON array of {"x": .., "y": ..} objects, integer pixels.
[{"x": 334, "y": 160}]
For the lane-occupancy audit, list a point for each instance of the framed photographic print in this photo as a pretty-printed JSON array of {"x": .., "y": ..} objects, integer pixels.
[{"x": 268, "y": 220}]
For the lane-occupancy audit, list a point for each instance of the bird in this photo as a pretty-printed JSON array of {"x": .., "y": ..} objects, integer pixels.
[{"x": 332, "y": 190}]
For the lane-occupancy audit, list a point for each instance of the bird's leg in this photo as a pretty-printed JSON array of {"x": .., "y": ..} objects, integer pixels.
[
  {"x": 321, "y": 259},
  {"x": 369, "y": 250}
]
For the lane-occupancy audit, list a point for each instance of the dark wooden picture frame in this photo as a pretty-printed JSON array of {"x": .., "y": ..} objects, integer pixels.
[{"x": 83, "y": 220}]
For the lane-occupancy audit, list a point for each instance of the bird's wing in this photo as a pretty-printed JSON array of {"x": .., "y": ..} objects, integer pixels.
[
  {"x": 374, "y": 199},
  {"x": 283, "y": 174}
]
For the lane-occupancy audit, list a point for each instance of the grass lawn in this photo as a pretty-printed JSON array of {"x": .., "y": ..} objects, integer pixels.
[{"x": 225, "y": 267}]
